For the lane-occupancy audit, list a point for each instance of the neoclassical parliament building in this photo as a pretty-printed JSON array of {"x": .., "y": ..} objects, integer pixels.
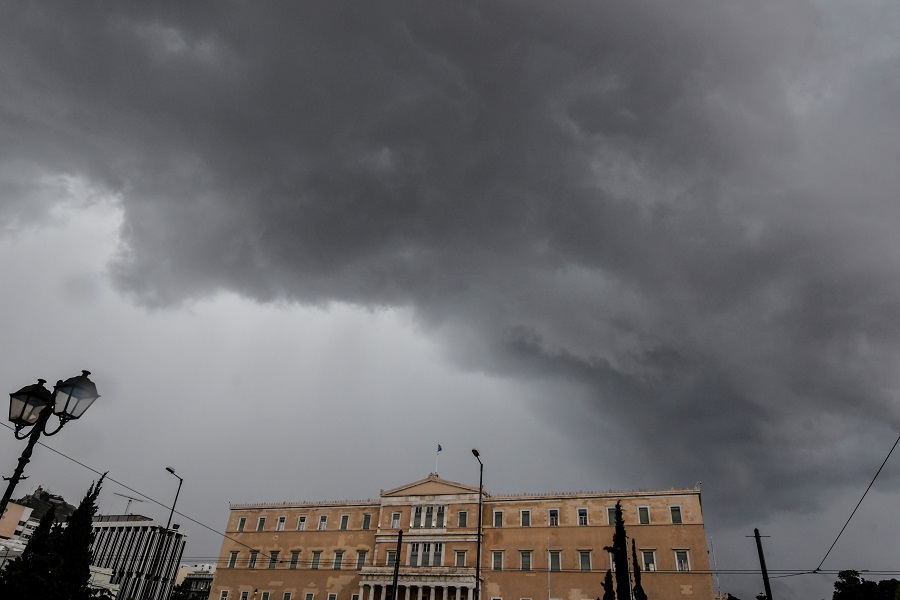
[{"x": 534, "y": 546}]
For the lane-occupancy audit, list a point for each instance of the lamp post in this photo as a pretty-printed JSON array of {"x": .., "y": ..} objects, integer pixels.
[
  {"x": 478, "y": 543},
  {"x": 180, "y": 481},
  {"x": 32, "y": 407}
]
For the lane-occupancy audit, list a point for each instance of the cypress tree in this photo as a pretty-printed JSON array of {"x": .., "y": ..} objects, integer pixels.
[
  {"x": 619, "y": 550},
  {"x": 638, "y": 588},
  {"x": 32, "y": 575},
  {"x": 608, "y": 591},
  {"x": 75, "y": 543}
]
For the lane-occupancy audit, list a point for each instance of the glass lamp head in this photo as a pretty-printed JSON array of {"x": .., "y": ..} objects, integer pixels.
[
  {"x": 25, "y": 406},
  {"x": 74, "y": 396}
]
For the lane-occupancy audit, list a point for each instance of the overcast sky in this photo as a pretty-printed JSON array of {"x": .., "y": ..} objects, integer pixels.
[{"x": 611, "y": 244}]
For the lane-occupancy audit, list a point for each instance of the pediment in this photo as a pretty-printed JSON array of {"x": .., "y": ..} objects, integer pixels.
[{"x": 430, "y": 486}]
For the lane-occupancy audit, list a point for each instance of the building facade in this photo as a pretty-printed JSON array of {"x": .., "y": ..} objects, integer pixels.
[
  {"x": 534, "y": 546},
  {"x": 142, "y": 553}
]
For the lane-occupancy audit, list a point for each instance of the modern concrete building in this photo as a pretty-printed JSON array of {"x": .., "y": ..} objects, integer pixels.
[
  {"x": 534, "y": 546},
  {"x": 142, "y": 553}
]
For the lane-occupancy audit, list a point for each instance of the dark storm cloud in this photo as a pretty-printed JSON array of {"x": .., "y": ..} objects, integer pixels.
[{"x": 686, "y": 208}]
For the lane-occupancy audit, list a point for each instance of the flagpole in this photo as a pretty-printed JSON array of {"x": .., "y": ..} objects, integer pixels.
[{"x": 436, "y": 457}]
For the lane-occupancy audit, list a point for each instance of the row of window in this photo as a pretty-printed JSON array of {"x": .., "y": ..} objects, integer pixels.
[
  {"x": 424, "y": 554},
  {"x": 682, "y": 560},
  {"x": 643, "y": 514},
  {"x": 301, "y": 522},
  {"x": 434, "y": 516},
  {"x": 284, "y": 596}
]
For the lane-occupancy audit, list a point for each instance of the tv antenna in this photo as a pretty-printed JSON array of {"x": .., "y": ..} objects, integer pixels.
[{"x": 130, "y": 500}]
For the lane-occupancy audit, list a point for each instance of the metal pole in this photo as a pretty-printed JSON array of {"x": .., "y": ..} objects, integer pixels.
[
  {"x": 397, "y": 566},
  {"x": 171, "y": 512},
  {"x": 762, "y": 564},
  {"x": 37, "y": 430},
  {"x": 478, "y": 544}
]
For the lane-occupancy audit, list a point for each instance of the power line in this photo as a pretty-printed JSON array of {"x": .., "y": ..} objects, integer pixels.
[{"x": 857, "y": 504}]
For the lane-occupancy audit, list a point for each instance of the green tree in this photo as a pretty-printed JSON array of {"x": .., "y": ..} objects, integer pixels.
[
  {"x": 32, "y": 573},
  {"x": 609, "y": 593},
  {"x": 638, "y": 588},
  {"x": 56, "y": 562},
  {"x": 182, "y": 591},
  {"x": 850, "y": 586},
  {"x": 619, "y": 550}
]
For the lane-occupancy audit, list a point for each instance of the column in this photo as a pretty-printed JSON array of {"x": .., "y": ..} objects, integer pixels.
[
  {"x": 433, "y": 588},
  {"x": 419, "y": 593},
  {"x": 371, "y": 592},
  {"x": 472, "y": 592},
  {"x": 361, "y": 592},
  {"x": 406, "y": 592}
]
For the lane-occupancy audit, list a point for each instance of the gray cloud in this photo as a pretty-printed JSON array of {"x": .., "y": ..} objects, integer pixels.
[{"x": 686, "y": 210}]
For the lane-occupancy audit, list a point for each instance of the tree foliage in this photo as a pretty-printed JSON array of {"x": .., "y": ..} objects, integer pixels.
[
  {"x": 609, "y": 592},
  {"x": 850, "y": 586},
  {"x": 56, "y": 562},
  {"x": 619, "y": 550},
  {"x": 638, "y": 588}
]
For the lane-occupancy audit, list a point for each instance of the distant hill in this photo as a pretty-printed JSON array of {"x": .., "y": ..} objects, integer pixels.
[{"x": 40, "y": 502}]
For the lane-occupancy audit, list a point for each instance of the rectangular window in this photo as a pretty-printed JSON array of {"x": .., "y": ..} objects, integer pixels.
[
  {"x": 426, "y": 554},
  {"x": 265, "y": 596},
  {"x": 460, "y": 558},
  {"x": 332, "y": 596},
  {"x": 232, "y": 559},
  {"x": 367, "y": 521},
  {"x": 611, "y": 515},
  {"x": 417, "y": 517},
  {"x": 323, "y": 520},
  {"x": 555, "y": 560},
  {"x": 253, "y": 555},
  {"x": 224, "y": 595},
  {"x": 682, "y": 562},
  {"x": 525, "y": 560},
  {"x": 261, "y": 524},
  {"x": 242, "y": 522},
  {"x": 244, "y": 595},
  {"x": 498, "y": 518},
  {"x": 286, "y": 596},
  {"x": 498, "y": 560},
  {"x": 429, "y": 515},
  {"x": 280, "y": 525},
  {"x": 317, "y": 556},
  {"x": 338, "y": 559},
  {"x": 309, "y": 596},
  {"x": 463, "y": 518},
  {"x": 582, "y": 516},
  {"x": 526, "y": 518},
  {"x": 361, "y": 559},
  {"x": 395, "y": 520},
  {"x": 414, "y": 554},
  {"x": 554, "y": 517},
  {"x": 676, "y": 514},
  {"x": 345, "y": 521},
  {"x": 649, "y": 557},
  {"x": 273, "y": 558},
  {"x": 440, "y": 516},
  {"x": 354, "y": 597},
  {"x": 301, "y": 523},
  {"x": 644, "y": 515},
  {"x": 295, "y": 558},
  {"x": 438, "y": 554},
  {"x": 391, "y": 558},
  {"x": 584, "y": 560}
]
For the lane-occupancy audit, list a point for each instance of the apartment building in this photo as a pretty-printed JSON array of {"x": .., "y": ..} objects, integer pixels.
[{"x": 534, "y": 546}]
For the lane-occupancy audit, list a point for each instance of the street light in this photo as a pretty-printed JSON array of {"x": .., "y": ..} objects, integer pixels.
[
  {"x": 32, "y": 406},
  {"x": 478, "y": 544},
  {"x": 180, "y": 481}
]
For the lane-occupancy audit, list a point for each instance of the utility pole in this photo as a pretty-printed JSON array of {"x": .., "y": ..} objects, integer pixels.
[{"x": 762, "y": 564}]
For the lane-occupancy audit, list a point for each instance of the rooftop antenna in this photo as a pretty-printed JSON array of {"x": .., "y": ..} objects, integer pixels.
[{"x": 130, "y": 500}]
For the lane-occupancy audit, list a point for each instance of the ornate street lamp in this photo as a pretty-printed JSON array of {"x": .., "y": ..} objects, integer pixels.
[{"x": 33, "y": 405}]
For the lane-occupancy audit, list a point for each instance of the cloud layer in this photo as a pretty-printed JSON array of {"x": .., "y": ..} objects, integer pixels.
[{"x": 687, "y": 210}]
